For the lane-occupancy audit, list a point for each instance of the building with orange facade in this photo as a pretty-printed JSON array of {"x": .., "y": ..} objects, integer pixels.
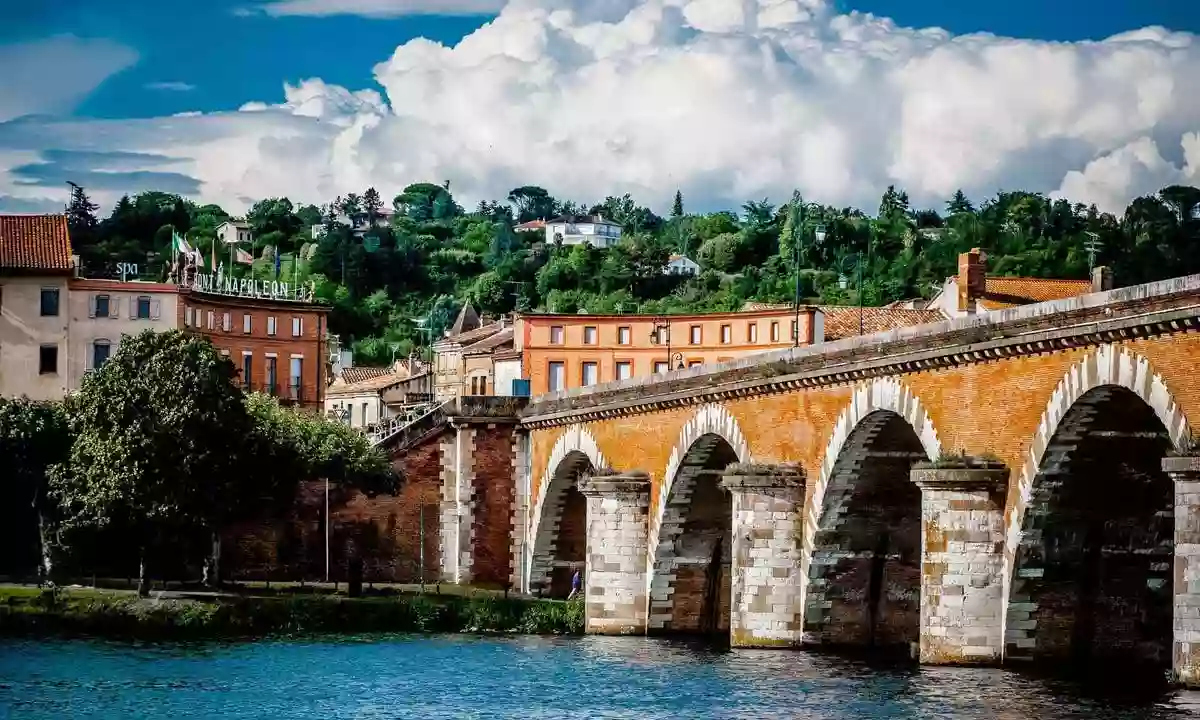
[
  {"x": 276, "y": 337},
  {"x": 560, "y": 352}
]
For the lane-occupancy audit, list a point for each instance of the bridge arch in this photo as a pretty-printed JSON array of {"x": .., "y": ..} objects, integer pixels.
[
  {"x": 1089, "y": 542},
  {"x": 689, "y": 548},
  {"x": 860, "y": 553},
  {"x": 559, "y": 532}
]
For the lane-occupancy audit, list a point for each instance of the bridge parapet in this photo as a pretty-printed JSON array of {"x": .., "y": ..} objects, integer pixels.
[{"x": 1097, "y": 318}]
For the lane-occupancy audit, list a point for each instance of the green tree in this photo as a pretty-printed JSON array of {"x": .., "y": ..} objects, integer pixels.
[
  {"x": 677, "y": 206},
  {"x": 34, "y": 442},
  {"x": 159, "y": 439}
]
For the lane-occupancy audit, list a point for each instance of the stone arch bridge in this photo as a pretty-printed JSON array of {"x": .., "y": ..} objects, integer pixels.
[{"x": 1010, "y": 486}]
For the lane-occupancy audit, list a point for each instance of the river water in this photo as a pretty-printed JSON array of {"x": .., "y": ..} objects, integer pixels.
[{"x": 464, "y": 677}]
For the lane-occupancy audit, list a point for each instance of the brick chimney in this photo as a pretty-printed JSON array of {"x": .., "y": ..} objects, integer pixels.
[
  {"x": 1102, "y": 279},
  {"x": 972, "y": 278}
]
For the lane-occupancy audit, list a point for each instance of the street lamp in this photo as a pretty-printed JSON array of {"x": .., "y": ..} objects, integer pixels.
[
  {"x": 662, "y": 324},
  {"x": 342, "y": 414},
  {"x": 819, "y": 236}
]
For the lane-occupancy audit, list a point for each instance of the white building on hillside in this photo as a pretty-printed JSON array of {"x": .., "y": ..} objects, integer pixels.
[
  {"x": 234, "y": 231},
  {"x": 681, "y": 265},
  {"x": 577, "y": 230}
]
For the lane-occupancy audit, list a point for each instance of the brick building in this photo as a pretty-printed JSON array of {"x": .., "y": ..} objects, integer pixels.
[
  {"x": 560, "y": 352},
  {"x": 279, "y": 346}
]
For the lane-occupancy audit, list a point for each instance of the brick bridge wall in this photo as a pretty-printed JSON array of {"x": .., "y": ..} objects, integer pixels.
[
  {"x": 998, "y": 385},
  {"x": 386, "y": 530}
]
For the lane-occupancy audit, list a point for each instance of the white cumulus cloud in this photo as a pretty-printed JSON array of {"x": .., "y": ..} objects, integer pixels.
[{"x": 726, "y": 101}]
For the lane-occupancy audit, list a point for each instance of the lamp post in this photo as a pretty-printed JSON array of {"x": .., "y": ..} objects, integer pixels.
[
  {"x": 342, "y": 414},
  {"x": 843, "y": 282},
  {"x": 660, "y": 324}
]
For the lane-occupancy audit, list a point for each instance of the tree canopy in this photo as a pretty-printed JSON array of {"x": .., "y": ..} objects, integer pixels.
[{"x": 384, "y": 279}]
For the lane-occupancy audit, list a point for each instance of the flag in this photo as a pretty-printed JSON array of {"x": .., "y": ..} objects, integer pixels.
[
  {"x": 179, "y": 245},
  {"x": 244, "y": 257}
]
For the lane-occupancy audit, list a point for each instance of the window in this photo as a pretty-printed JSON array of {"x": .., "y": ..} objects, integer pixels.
[
  {"x": 660, "y": 367},
  {"x": 591, "y": 373},
  {"x": 246, "y": 323},
  {"x": 479, "y": 386},
  {"x": 589, "y": 335},
  {"x": 48, "y": 359},
  {"x": 50, "y": 303},
  {"x": 558, "y": 376},
  {"x": 247, "y": 366},
  {"x": 226, "y": 323},
  {"x": 187, "y": 316},
  {"x": 271, "y": 325},
  {"x": 624, "y": 370},
  {"x": 210, "y": 320},
  {"x": 143, "y": 308},
  {"x": 623, "y": 335},
  {"x": 774, "y": 332},
  {"x": 795, "y": 330},
  {"x": 556, "y": 335},
  {"x": 272, "y": 376},
  {"x": 726, "y": 334},
  {"x": 297, "y": 376},
  {"x": 101, "y": 308},
  {"x": 752, "y": 333},
  {"x": 297, "y": 327},
  {"x": 100, "y": 353},
  {"x": 365, "y": 406},
  {"x": 695, "y": 363},
  {"x": 694, "y": 335}
]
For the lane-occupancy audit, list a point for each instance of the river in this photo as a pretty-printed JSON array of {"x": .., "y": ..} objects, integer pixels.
[{"x": 464, "y": 677}]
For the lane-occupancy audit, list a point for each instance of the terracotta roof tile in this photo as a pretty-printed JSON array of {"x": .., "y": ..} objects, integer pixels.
[
  {"x": 355, "y": 375},
  {"x": 503, "y": 337},
  {"x": 1007, "y": 292},
  {"x": 841, "y": 321},
  {"x": 35, "y": 242}
]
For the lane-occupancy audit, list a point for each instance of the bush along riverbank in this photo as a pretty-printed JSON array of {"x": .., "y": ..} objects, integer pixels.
[{"x": 90, "y": 613}]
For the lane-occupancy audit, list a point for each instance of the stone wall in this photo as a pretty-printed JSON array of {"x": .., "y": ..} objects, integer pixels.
[{"x": 494, "y": 484}]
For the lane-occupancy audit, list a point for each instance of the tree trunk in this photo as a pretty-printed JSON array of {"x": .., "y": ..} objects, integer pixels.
[
  {"x": 143, "y": 579},
  {"x": 212, "y": 566},
  {"x": 46, "y": 566}
]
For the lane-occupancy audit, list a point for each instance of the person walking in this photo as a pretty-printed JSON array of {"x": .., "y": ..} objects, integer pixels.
[{"x": 576, "y": 582}]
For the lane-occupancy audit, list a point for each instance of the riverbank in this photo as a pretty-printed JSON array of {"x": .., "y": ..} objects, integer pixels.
[{"x": 71, "y": 612}]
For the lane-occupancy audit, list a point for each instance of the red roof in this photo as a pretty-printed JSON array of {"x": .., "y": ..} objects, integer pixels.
[
  {"x": 842, "y": 321},
  {"x": 1006, "y": 292},
  {"x": 35, "y": 242}
]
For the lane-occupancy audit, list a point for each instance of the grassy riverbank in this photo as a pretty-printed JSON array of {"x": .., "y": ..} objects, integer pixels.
[{"x": 108, "y": 614}]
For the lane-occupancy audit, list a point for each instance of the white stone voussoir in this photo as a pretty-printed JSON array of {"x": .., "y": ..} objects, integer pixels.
[
  {"x": 1112, "y": 365},
  {"x": 710, "y": 420},
  {"x": 576, "y": 445}
]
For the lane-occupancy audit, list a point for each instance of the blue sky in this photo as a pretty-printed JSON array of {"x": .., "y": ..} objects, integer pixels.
[
  {"x": 205, "y": 56},
  {"x": 725, "y": 100}
]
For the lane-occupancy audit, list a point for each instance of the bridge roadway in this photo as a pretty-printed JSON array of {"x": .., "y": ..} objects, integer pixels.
[{"x": 1011, "y": 486}]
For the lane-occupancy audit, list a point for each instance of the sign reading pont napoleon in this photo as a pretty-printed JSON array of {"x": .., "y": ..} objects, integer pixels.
[{"x": 221, "y": 284}]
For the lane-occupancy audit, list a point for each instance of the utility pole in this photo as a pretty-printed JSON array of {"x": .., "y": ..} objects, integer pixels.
[{"x": 1093, "y": 246}]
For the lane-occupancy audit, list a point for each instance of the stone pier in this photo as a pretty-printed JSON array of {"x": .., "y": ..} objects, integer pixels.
[
  {"x": 767, "y": 604},
  {"x": 1185, "y": 471},
  {"x": 617, "y": 539},
  {"x": 962, "y": 563}
]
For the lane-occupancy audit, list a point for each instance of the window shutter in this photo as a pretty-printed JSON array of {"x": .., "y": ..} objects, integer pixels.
[
  {"x": 114, "y": 307},
  {"x": 154, "y": 310},
  {"x": 133, "y": 308},
  {"x": 91, "y": 306},
  {"x": 89, "y": 357}
]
